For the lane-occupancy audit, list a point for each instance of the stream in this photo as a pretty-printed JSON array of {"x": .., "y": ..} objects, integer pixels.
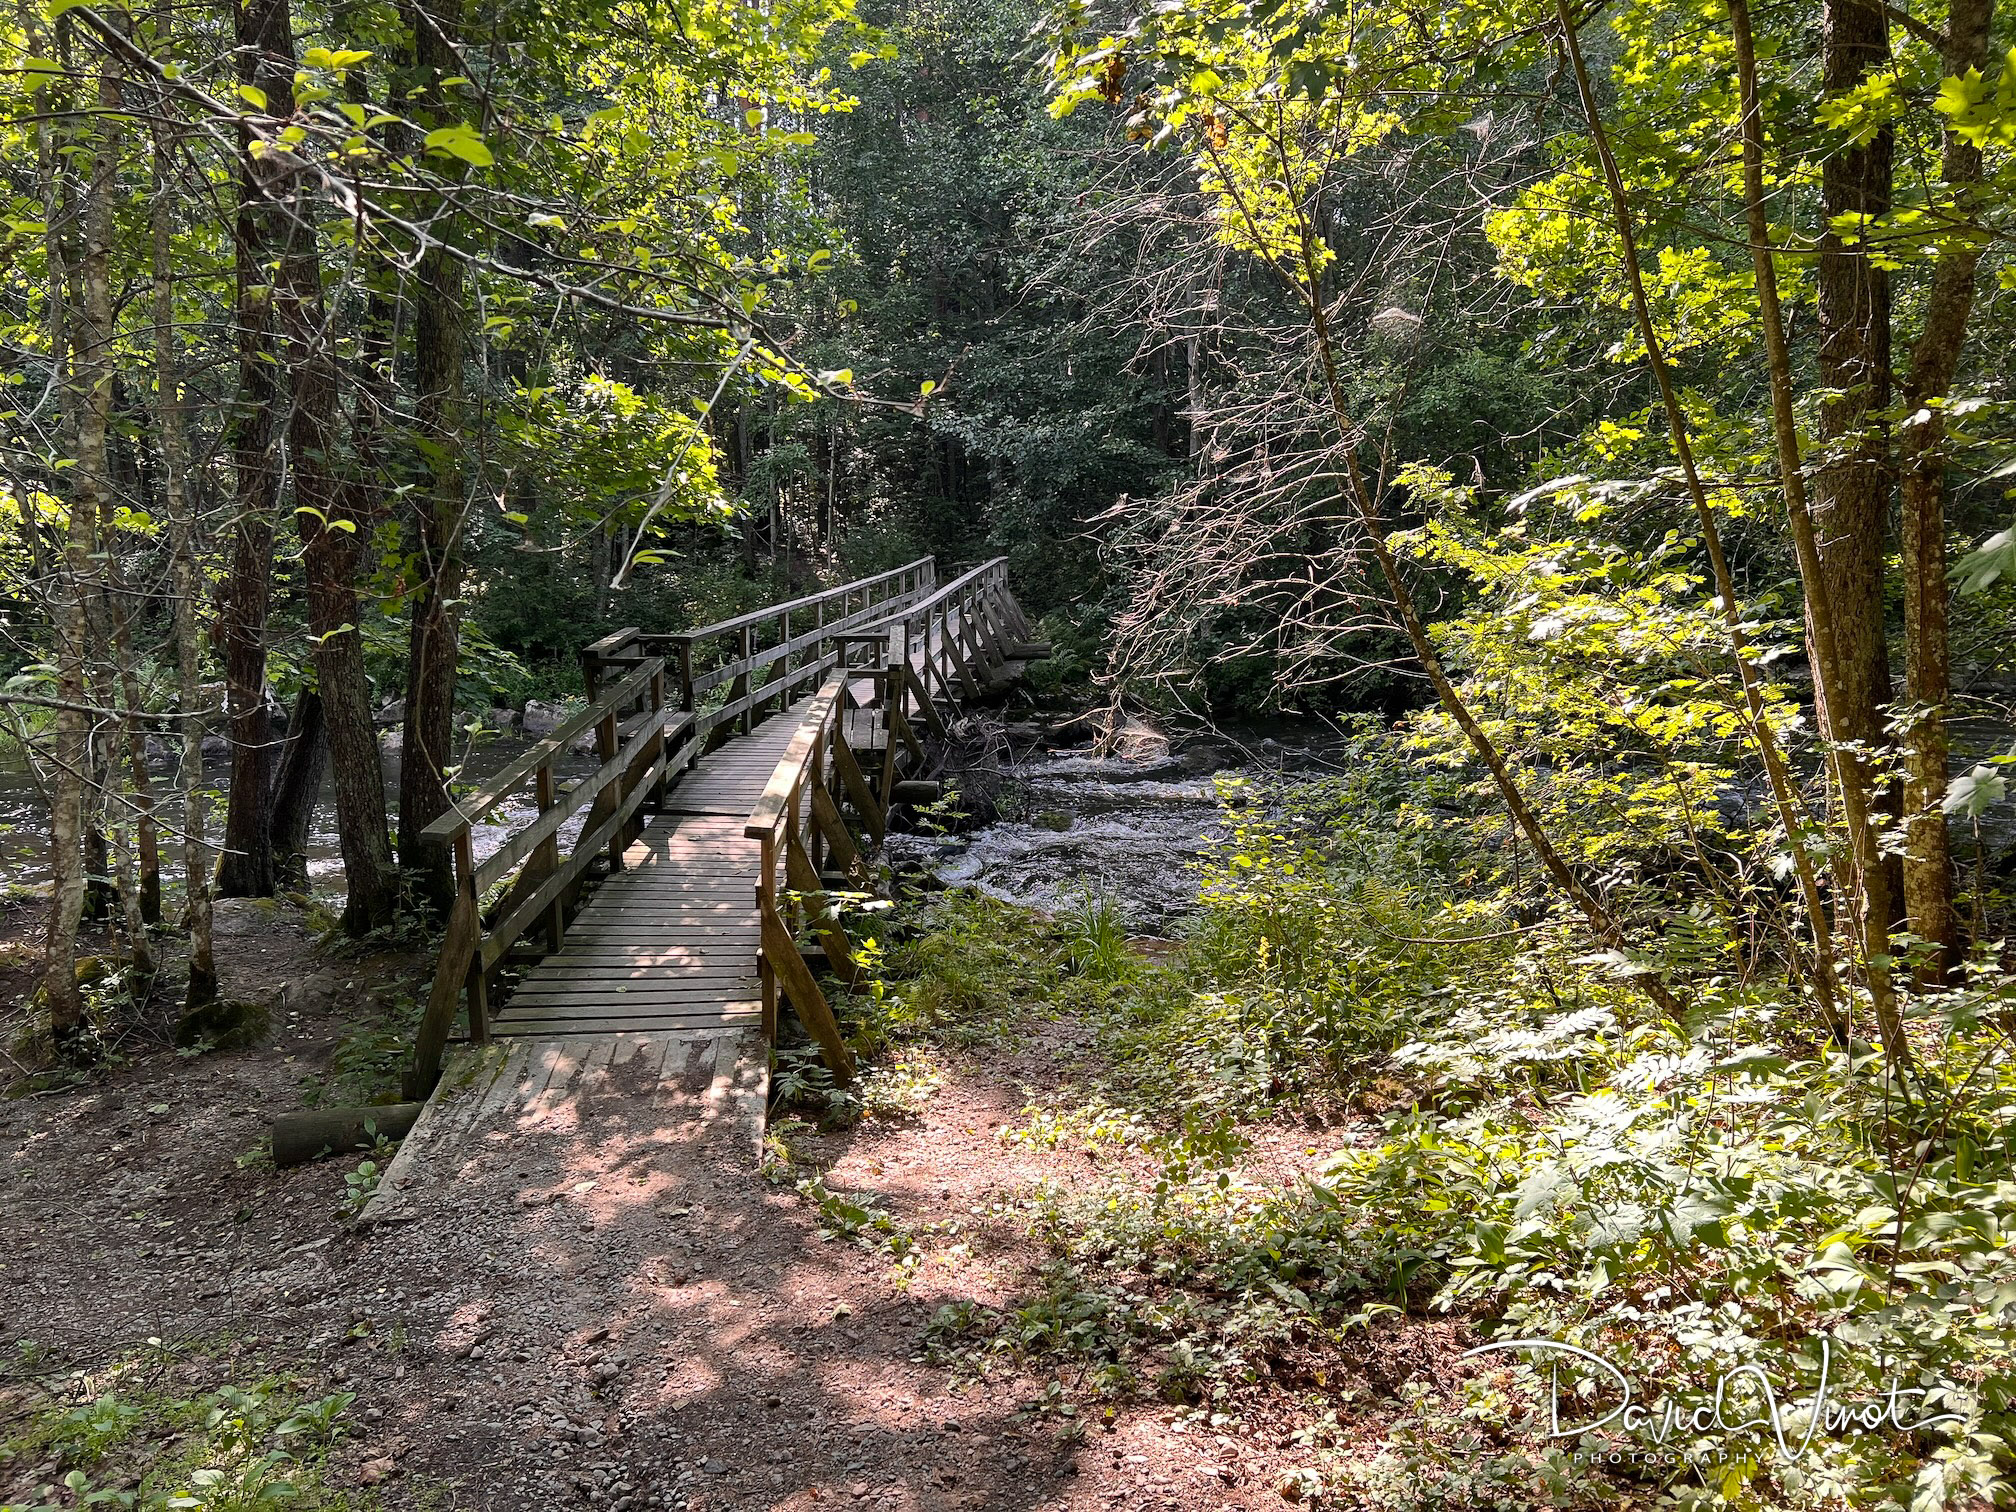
[{"x": 1070, "y": 823}]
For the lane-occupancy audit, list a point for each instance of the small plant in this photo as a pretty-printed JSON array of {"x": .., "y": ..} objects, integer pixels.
[
  {"x": 239, "y": 1448},
  {"x": 1094, "y": 934},
  {"x": 858, "y": 1220},
  {"x": 361, "y": 1184}
]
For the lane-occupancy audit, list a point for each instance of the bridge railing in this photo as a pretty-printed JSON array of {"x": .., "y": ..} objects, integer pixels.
[
  {"x": 639, "y": 738},
  {"x": 797, "y": 822},
  {"x": 765, "y": 659},
  {"x": 960, "y": 637}
]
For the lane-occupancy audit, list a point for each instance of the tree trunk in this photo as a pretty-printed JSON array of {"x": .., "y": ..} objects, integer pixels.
[
  {"x": 121, "y": 866},
  {"x": 304, "y": 764},
  {"x": 432, "y": 640},
  {"x": 245, "y": 865},
  {"x": 121, "y": 606},
  {"x": 1784, "y": 795},
  {"x": 181, "y": 511},
  {"x": 85, "y": 336},
  {"x": 1871, "y": 928},
  {"x": 1935, "y": 361},
  {"x": 1851, "y": 488},
  {"x": 333, "y": 532}
]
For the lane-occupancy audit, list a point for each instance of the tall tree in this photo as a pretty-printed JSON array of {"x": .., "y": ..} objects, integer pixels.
[
  {"x": 333, "y": 517},
  {"x": 438, "y": 506},
  {"x": 1922, "y": 466},
  {"x": 184, "y": 581},
  {"x": 81, "y": 339},
  {"x": 1851, "y": 481},
  {"x": 265, "y": 68}
]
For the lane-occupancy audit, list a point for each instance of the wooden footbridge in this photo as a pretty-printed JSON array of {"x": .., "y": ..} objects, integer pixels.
[{"x": 747, "y": 769}]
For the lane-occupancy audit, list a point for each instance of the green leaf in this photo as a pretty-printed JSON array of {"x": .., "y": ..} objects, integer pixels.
[
  {"x": 253, "y": 96},
  {"x": 461, "y": 141}
]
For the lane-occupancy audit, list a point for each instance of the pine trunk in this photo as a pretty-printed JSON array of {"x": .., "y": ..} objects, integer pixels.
[
  {"x": 433, "y": 636},
  {"x": 304, "y": 767},
  {"x": 245, "y": 865},
  {"x": 1935, "y": 361}
]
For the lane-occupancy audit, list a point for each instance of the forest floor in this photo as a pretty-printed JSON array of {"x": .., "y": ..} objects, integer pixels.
[{"x": 589, "y": 1323}]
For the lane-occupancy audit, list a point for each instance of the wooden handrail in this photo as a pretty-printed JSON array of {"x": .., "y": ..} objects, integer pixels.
[
  {"x": 760, "y": 677},
  {"x": 923, "y": 566},
  {"x": 474, "y": 807},
  {"x": 795, "y": 820},
  {"x": 995, "y": 569},
  {"x": 637, "y": 755},
  {"x": 780, "y": 793}
]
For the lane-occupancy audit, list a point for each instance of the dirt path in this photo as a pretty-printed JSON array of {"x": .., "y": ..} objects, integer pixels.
[{"x": 594, "y": 1313}]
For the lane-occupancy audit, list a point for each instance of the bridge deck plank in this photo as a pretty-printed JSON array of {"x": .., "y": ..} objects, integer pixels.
[{"x": 671, "y": 941}]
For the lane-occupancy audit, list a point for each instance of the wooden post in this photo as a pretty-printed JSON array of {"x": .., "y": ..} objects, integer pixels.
[
  {"x": 547, "y": 858},
  {"x": 606, "y": 746},
  {"x": 477, "y": 980},
  {"x": 784, "y": 663},
  {"x": 894, "y": 665},
  {"x": 743, "y": 686},
  {"x": 655, "y": 701}
]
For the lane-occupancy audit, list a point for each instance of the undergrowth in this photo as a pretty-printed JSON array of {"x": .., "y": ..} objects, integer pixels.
[
  {"x": 141, "y": 1436},
  {"x": 1522, "y": 1148}
]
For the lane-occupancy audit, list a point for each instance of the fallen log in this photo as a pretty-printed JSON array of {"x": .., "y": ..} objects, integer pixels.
[
  {"x": 916, "y": 790},
  {"x": 301, "y": 1137}
]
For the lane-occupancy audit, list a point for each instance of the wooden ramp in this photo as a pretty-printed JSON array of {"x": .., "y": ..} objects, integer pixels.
[
  {"x": 669, "y": 943},
  {"x": 656, "y": 1092}
]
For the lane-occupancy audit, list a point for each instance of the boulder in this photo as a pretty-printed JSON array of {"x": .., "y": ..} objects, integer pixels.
[
  {"x": 542, "y": 719},
  {"x": 394, "y": 712},
  {"x": 225, "y": 1024},
  {"x": 1136, "y": 740}
]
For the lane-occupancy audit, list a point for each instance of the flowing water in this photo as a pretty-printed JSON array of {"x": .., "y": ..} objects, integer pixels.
[{"x": 1072, "y": 824}]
